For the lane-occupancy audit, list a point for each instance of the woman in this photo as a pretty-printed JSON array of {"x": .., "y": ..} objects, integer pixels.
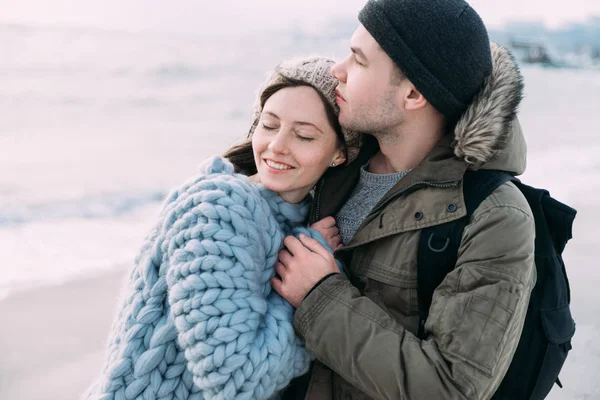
[{"x": 199, "y": 318}]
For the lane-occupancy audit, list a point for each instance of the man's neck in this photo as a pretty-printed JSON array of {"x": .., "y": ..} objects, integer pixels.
[{"x": 404, "y": 150}]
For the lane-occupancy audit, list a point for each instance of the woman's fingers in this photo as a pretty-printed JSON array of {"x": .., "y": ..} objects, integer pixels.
[
  {"x": 335, "y": 242},
  {"x": 330, "y": 232},
  {"x": 334, "y": 231},
  {"x": 324, "y": 223}
]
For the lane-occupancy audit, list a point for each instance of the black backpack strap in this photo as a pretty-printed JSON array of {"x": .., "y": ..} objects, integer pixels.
[{"x": 438, "y": 245}]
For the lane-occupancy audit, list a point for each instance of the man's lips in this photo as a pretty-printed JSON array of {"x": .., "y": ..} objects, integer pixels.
[{"x": 339, "y": 95}]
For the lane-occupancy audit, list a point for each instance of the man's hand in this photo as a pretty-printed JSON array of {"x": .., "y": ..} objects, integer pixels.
[
  {"x": 302, "y": 264},
  {"x": 330, "y": 232}
]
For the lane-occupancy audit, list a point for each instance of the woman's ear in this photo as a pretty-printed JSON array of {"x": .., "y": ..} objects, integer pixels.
[{"x": 339, "y": 158}]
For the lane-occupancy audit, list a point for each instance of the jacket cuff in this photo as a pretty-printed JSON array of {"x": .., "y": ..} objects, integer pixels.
[
  {"x": 317, "y": 299},
  {"x": 318, "y": 283}
]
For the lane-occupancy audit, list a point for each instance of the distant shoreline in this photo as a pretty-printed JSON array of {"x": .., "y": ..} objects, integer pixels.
[{"x": 8, "y": 293}]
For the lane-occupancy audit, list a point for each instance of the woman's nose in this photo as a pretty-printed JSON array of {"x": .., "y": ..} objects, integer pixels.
[{"x": 279, "y": 142}]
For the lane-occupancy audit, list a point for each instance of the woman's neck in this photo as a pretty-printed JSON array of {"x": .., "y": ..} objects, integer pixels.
[{"x": 290, "y": 196}]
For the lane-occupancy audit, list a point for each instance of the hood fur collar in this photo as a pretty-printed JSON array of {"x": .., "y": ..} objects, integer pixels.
[{"x": 484, "y": 128}]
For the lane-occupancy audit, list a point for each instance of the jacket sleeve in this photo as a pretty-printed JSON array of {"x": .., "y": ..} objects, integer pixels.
[{"x": 474, "y": 323}]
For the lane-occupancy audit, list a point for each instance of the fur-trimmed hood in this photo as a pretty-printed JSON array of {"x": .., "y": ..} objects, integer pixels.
[{"x": 488, "y": 135}]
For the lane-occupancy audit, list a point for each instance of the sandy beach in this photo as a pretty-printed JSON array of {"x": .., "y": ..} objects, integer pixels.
[{"x": 52, "y": 338}]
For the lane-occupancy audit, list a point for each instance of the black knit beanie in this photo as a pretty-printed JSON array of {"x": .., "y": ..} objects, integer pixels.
[{"x": 441, "y": 46}]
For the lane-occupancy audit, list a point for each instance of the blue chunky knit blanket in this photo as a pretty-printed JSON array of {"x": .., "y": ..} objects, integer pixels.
[{"x": 199, "y": 319}]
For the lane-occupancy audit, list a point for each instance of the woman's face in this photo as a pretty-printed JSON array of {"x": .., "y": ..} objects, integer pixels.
[{"x": 294, "y": 142}]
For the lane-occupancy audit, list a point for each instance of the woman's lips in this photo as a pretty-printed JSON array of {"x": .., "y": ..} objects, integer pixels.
[{"x": 277, "y": 166}]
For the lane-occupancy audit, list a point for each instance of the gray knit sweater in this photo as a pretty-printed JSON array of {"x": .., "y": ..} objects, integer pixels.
[{"x": 367, "y": 193}]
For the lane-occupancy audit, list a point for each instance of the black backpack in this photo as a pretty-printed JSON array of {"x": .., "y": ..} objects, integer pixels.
[{"x": 549, "y": 327}]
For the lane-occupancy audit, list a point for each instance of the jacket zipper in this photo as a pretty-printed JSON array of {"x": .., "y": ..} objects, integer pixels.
[{"x": 319, "y": 193}]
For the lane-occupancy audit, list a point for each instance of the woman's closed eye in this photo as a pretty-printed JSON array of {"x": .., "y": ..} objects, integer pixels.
[
  {"x": 268, "y": 128},
  {"x": 298, "y": 133},
  {"x": 305, "y": 138}
]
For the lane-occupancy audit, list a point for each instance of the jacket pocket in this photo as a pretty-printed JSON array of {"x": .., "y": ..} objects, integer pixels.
[
  {"x": 391, "y": 260},
  {"x": 392, "y": 286}
]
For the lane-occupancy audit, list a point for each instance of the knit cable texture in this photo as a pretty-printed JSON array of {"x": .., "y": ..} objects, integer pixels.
[{"x": 199, "y": 319}]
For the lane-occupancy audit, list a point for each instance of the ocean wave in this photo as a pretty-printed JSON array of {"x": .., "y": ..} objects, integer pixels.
[
  {"x": 86, "y": 207},
  {"x": 181, "y": 71}
]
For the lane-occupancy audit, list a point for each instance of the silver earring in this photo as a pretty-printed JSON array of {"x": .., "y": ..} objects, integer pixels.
[{"x": 333, "y": 164}]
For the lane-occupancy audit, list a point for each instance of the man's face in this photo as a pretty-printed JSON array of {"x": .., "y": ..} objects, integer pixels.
[{"x": 367, "y": 96}]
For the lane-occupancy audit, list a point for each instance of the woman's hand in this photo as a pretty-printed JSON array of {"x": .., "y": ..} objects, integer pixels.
[{"x": 330, "y": 232}]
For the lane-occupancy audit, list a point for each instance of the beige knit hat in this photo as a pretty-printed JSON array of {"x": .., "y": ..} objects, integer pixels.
[{"x": 316, "y": 71}]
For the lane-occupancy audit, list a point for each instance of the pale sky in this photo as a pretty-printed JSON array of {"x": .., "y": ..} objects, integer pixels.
[{"x": 194, "y": 16}]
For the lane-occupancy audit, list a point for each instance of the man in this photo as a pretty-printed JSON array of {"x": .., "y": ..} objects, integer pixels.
[{"x": 435, "y": 100}]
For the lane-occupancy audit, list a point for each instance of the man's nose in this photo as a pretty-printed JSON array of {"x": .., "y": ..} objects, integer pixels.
[{"x": 339, "y": 72}]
